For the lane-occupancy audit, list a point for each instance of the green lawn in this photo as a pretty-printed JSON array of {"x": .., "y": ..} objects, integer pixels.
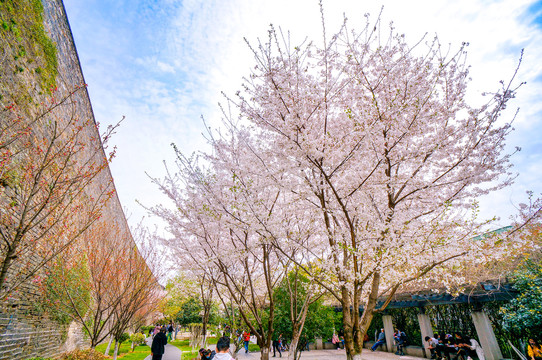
[
  {"x": 186, "y": 349},
  {"x": 181, "y": 344},
  {"x": 125, "y": 352}
]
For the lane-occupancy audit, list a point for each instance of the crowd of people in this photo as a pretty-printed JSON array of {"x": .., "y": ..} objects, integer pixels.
[
  {"x": 456, "y": 346},
  {"x": 170, "y": 329},
  {"x": 442, "y": 346}
]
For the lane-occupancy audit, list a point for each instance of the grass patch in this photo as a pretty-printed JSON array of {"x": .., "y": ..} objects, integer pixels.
[
  {"x": 125, "y": 351},
  {"x": 253, "y": 348},
  {"x": 185, "y": 344},
  {"x": 190, "y": 355},
  {"x": 181, "y": 344}
]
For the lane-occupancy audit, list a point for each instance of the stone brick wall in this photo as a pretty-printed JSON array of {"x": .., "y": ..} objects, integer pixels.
[
  {"x": 24, "y": 336},
  {"x": 25, "y": 331}
]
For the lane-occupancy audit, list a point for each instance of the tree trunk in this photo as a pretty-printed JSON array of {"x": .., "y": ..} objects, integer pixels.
[
  {"x": 204, "y": 329},
  {"x": 116, "y": 350},
  {"x": 108, "y": 346},
  {"x": 10, "y": 255},
  {"x": 297, "y": 329},
  {"x": 353, "y": 357},
  {"x": 347, "y": 323},
  {"x": 292, "y": 353},
  {"x": 236, "y": 349},
  {"x": 264, "y": 351}
]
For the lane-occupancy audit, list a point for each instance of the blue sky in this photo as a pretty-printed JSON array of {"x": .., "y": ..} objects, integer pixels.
[{"x": 163, "y": 64}]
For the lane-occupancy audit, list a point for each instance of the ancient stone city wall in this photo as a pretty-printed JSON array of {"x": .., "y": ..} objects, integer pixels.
[{"x": 25, "y": 330}]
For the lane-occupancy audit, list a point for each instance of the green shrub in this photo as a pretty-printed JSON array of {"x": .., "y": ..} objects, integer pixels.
[
  {"x": 123, "y": 338},
  {"x": 137, "y": 338}
]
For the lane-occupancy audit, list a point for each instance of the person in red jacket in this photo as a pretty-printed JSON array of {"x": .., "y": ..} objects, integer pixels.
[{"x": 246, "y": 339}]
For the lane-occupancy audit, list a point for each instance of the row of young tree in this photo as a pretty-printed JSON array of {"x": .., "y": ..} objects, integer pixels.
[
  {"x": 60, "y": 232},
  {"x": 354, "y": 162},
  {"x": 106, "y": 284},
  {"x": 184, "y": 307}
]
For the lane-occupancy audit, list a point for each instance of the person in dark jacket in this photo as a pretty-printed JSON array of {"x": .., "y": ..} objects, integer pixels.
[{"x": 158, "y": 344}]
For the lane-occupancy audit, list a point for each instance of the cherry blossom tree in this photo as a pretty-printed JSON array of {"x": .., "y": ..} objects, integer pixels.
[
  {"x": 52, "y": 184},
  {"x": 377, "y": 136},
  {"x": 105, "y": 283},
  {"x": 361, "y": 155},
  {"x": 138, "y": 289},
  {"x": 209, "y": 223},
  {"x": 93, "y": 302}
]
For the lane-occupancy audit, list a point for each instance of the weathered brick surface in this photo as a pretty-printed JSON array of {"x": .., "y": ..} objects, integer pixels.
[{"x": 25, "y": 331}]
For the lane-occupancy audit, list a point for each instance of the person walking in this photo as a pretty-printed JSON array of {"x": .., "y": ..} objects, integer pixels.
[
  {"x": 158, "y": 345},
  {"x": 246, "y": 339},
  {"x": 170, "y": 331},
  {"x": 401, "y": 341},
  {"x": 276, "y": 345}
]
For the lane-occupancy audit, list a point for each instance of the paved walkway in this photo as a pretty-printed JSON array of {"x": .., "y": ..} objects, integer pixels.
[
  {"x": 174, "y": 353},
  {"x": 171, "y": 352},
  {"x": 331, "y": 355}
]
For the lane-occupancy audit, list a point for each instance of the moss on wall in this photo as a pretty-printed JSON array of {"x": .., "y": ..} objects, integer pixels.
[{"x": 27, "y": 55}]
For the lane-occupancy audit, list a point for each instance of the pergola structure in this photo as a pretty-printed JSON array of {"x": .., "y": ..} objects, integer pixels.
[{"x": 484, "y": 292}]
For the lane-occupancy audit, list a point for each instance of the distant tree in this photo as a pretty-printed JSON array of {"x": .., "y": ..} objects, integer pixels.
[
  {"x": 190, "y": 298},
  {"x": 523, "y": 315},
  {"x": 300, "y": 314},
  {"x": 105, "y": 283},
  {"x": 176, "y": 295},
  {"x": 189, "y": 312},
  {"x": 138, "y": 287}
]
